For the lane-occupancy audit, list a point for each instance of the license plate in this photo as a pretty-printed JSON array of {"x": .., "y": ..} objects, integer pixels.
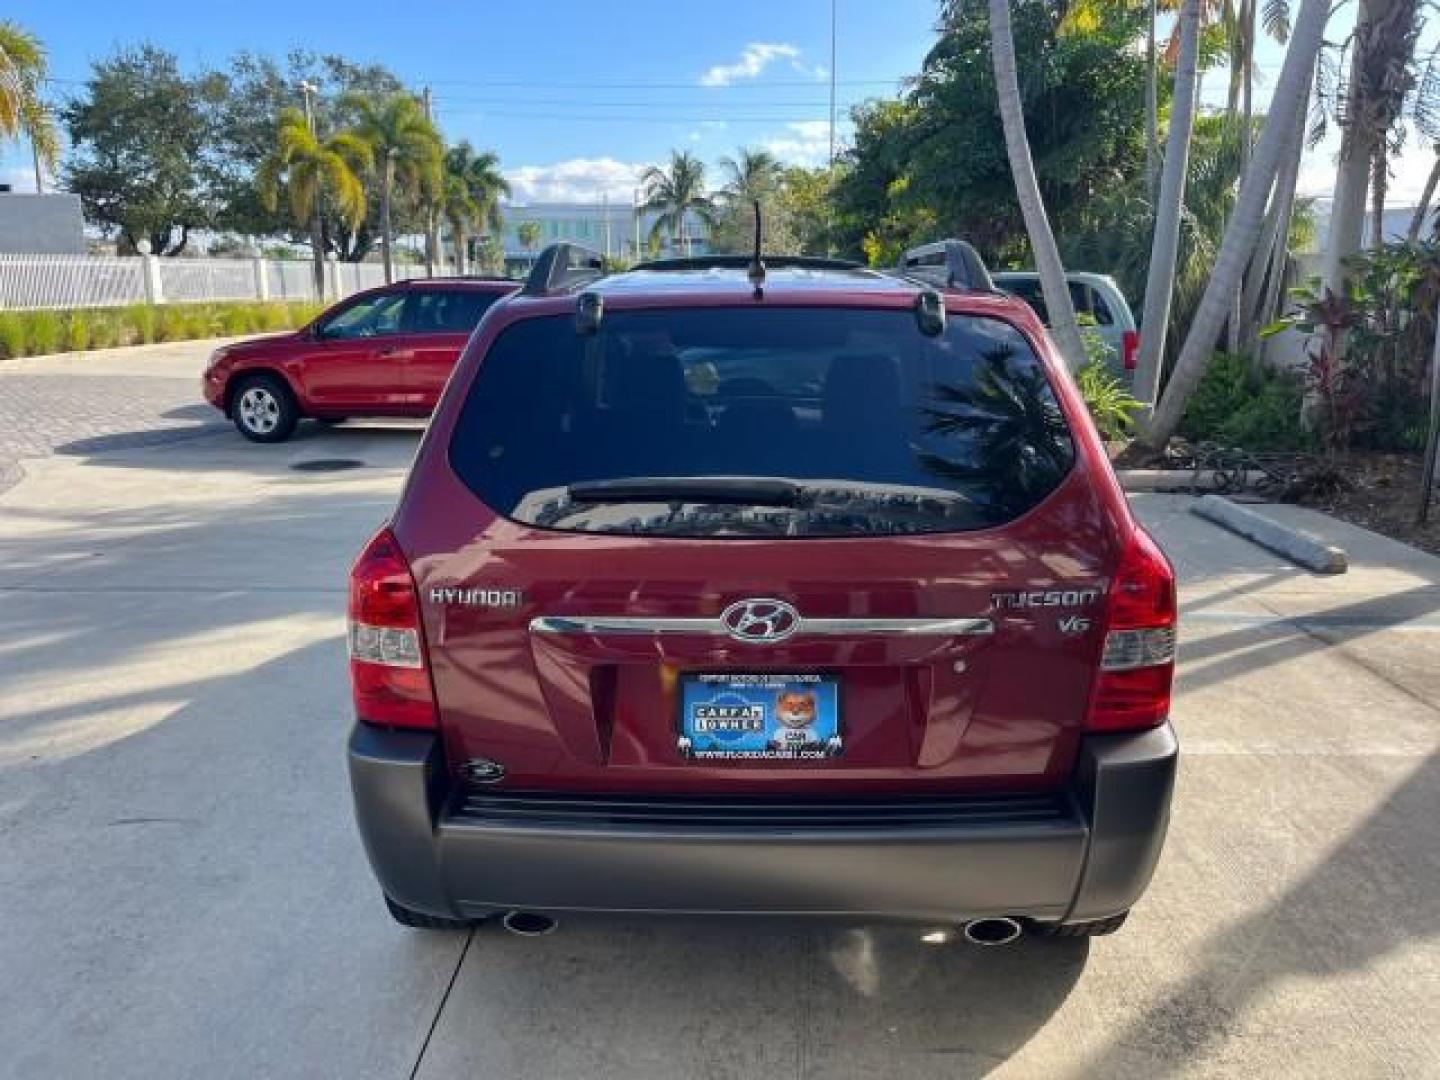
[{"x": 734, "y": 716}]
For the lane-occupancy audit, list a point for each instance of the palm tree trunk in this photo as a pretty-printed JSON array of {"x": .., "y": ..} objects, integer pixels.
[
  {"x": 1379, "y": 181},
  {"x": 1237, "y": 330},
  {"x": 386, "y": 185},
  {"x": 1152, "y": 106},
  {"x": 1264, "y": 285},
  {"x": 1418, "y": 221},
  {"x": 1027, "y": 189},
  {"x": 1432, "y": 438},
  {"x": 1352, "y": 176},
  {"x": 39, "y": 175},
  {"x": 317, "y": 242},
  {"x": 1240, "y": 233},
  {"x": 432, "y": 240},
  {"x": 1165, "y": 242}
]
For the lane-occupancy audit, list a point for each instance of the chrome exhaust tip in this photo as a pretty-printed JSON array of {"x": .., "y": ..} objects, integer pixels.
[
  {"x": 996, "y": 931},
  {"x": 528, "y": 923}
]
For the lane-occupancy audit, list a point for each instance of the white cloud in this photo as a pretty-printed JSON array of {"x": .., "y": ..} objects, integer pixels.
[
  {"x": 803, "y": 142},
  {"x": 576, "y": 180},
  {"x": 754, "y": 59}
]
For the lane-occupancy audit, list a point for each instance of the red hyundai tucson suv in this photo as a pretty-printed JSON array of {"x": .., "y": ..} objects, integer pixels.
[
  {"x": 383, "y": 352},
  {"x": 797, "y": 589}
]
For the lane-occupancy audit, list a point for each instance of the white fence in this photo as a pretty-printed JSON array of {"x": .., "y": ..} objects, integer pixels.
[{"x": 65, "y": 281}]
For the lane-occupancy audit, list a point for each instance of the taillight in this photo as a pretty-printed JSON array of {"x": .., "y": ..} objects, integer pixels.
[
  {"x": 1130, "y": 348},
  {"x": 389, "y": 675},
  {"x": 1137, "y": 663}
]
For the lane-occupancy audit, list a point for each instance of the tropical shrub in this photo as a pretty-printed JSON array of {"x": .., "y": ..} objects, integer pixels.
[
  {"x": 1111, "y": 404},
  {"x": 1369, "y": 361},
  {"x": 1239, "y": 404},
  {"x": 38, "y": 333}
]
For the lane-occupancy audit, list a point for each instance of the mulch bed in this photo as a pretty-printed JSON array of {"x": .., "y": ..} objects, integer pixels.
[{"x": 1384, "y": 495}]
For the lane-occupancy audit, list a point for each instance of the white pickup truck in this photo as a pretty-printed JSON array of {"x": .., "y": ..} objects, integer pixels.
[{"x": 1099, "y": 304}]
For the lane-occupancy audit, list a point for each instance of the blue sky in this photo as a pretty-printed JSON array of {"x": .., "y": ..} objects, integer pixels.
[
  {"x": 577, "y": 97},
  {"x": 573, "y": 95}
]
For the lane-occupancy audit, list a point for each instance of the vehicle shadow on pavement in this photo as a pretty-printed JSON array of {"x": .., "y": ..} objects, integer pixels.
[
  {"x": 225, "y": 438},
  {"x": 1375, "y": 894},
  {"x": 745, "y": 998}
]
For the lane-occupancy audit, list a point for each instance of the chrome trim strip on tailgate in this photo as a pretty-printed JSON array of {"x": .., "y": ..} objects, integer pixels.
[{"x": 622, "y": 625}]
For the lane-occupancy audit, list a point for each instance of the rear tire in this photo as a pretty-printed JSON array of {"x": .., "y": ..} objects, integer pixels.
[
  {"x": 418, "y": 920},
  {"x": 1094, "y": 928},
  {"x": 263, "y": 409}
]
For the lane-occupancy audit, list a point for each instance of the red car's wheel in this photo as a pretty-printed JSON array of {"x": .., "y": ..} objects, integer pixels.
[{"x": 263, "y": 409}]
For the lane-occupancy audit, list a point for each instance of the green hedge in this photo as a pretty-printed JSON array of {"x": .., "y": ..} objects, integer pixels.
[{"x": 38, "y": 333}]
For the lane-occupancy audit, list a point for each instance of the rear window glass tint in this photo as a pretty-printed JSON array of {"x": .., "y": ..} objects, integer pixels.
[
  {"x": 448, "y": 311},
  {"x": 883, "y": 429}
]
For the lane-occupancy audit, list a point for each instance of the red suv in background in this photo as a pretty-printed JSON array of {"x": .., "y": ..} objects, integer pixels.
[
  {"x": 731, "y": 589},
  {"x": 383, "y": 352}
]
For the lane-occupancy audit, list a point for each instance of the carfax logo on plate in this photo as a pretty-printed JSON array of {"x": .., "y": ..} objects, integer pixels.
[{"x": 759, "y": 717}]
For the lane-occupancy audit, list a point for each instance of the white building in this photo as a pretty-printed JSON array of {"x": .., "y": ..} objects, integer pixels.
[
  {"x": 33, "y": 224},
  {"x": 618, "y": 230}
]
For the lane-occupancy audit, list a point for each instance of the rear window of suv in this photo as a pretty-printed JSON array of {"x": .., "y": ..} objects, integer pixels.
[{"x": 761, "y": 422}]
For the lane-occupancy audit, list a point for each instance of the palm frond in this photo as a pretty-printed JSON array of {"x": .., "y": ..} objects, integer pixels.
[{"x": 1276, "y": 17}]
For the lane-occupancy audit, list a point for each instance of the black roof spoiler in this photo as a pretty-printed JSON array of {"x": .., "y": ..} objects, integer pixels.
[
  {"x": 947, "y": 264},
  {"x": 562, "y": 267}
]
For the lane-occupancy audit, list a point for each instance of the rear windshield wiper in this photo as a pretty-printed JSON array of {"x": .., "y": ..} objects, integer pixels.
[{"x": 737, "y": 490}]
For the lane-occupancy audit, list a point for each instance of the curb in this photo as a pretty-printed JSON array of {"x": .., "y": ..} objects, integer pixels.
[
  {"x": 1185, "y": 481},
  {"x": 1297, "y": 546}
]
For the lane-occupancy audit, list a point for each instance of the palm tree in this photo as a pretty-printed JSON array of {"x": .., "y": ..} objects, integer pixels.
[
  {"x": 753, "y": 177},
  {"x": 1165, "y": 241},
  {"x": 23, "y": 64},
  {"x": 529, "y": 234},
  {"x": 676, "y": 193},
  {"x": 1027, "y": 189},
  {"x": 313, "y": 171},
  {"x": 406, "y": 148},
  {"x": 1240, "y": 234},
  {"x": 474, "y": 184}
]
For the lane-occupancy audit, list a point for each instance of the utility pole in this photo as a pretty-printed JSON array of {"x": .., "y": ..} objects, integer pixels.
[{"x": 831, "y": 159}]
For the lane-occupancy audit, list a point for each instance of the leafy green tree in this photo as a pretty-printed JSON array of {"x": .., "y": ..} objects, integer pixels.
[
  {"x": 529, "y": 234},
  {"x": 23, "y": 114},
  {"x": 676, "y": 193},
  {"x": 312, "y": 173},
  {"x": 936, "y": 160},
  {"x": 805, "y": 200},
  {"x": 407, "y": 152},
  {"x": 143, "y": 136}
]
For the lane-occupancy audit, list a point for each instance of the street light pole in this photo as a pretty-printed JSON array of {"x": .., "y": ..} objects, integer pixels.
[
  {"x": 831, "y": 159},
  {"x": 307, "y": 91}
]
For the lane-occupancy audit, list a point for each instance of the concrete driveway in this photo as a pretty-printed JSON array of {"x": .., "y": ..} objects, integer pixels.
[{"x": 182, "y": 892}]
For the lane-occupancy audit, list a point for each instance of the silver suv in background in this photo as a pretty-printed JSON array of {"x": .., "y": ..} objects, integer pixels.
[{"x": 1099, "y": 304}]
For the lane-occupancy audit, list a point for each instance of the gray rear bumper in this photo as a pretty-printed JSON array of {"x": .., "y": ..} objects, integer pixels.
[{"x": 1083, "y": 854}]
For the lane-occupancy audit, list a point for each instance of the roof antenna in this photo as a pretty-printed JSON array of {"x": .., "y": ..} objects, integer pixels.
[{"x": 756, "y": 272}]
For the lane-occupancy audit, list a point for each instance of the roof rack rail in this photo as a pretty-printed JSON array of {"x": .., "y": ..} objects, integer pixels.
[
  {"x": 561, "y": 267},
  {"x": 949, "y": 264},
  {"x": 743, "y": 262}
]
